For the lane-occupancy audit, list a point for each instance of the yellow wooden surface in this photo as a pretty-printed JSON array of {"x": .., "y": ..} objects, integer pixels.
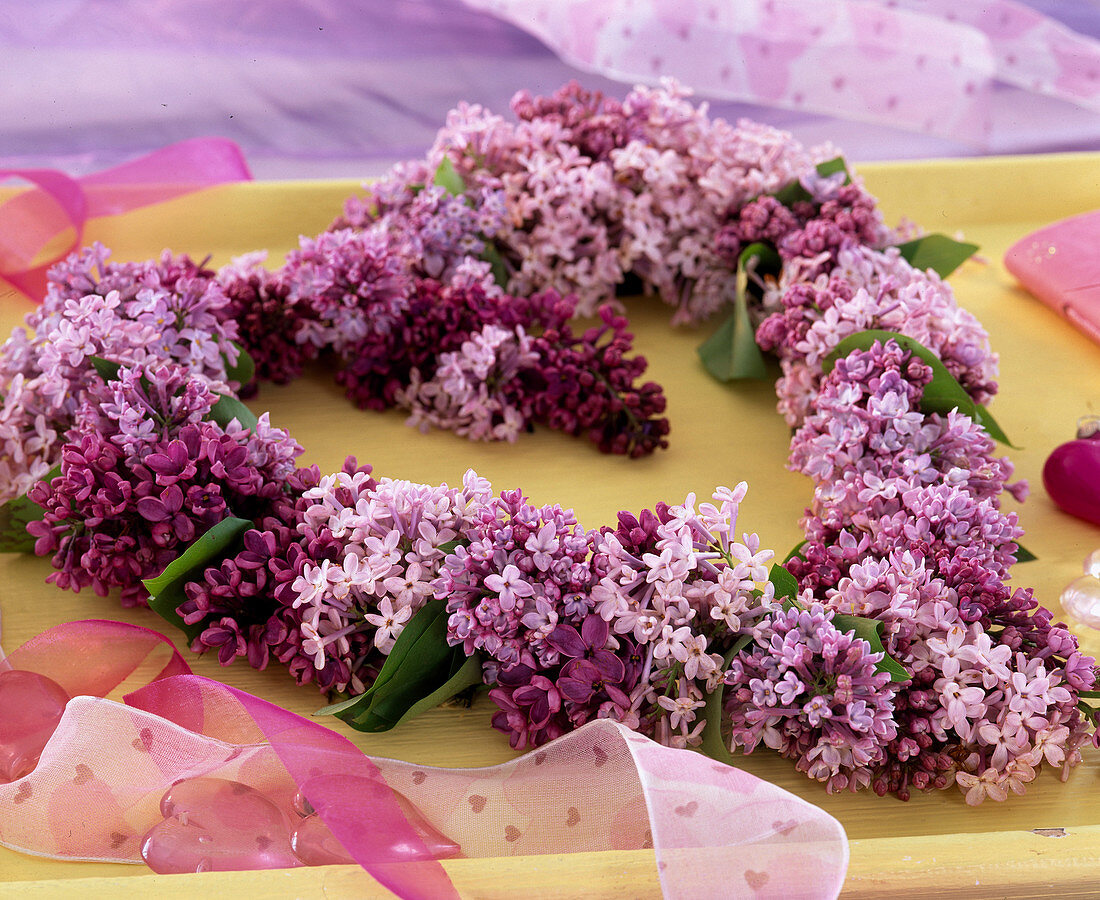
[{"x": 1050, "y": 375}]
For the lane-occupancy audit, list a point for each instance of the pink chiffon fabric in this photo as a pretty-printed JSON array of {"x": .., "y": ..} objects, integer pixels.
[
  {"x": 96, "y": 790},
  {"x": 60, "y": 205},
  {"x": 333, "y": 88},
  {"x": 925, "y": 66}
]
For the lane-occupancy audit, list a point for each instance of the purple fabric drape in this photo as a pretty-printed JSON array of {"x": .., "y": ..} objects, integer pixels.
[{"x": 345, "y": 87}]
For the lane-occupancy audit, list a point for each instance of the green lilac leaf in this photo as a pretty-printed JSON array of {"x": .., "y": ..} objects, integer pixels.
[
  {"x": 759, "y": 259},
  {"x": 713, "y": 745},
  {"x": 16, "y": 515},
  {"x": 871, "y": 631},
  {"x": 447, "y": 177},
  {"x": 941, "y": 395},
  {"x": 938, "y": 252},
  {"x": 832, "y": 166},
  {"x": 786, "y": 585},
  {"x": 421, "y": 671},
  {"x": 496, "y": 265},
  {"x": 1023, "y": 554},
  {"x": 166, "y": 589},
  {"x": 244, "y": 370},
  {"x": 465, "y": 676},
  {"x": 229, "y": 408},
  {"x": 731, "y": 353},
  {"x": 106, "y": 369},
  {"x": 794, "y": 192}
]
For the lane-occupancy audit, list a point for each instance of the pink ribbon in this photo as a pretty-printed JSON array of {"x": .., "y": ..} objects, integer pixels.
[
  {"x": 97, "y": 786},
  {"x": 60, "y": 206}
]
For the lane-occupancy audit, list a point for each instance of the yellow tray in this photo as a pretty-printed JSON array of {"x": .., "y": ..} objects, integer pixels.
[{"x": 720, "y": 435}]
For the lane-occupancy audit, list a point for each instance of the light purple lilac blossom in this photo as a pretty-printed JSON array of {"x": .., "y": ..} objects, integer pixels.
[{"x": 150, "y": 313}]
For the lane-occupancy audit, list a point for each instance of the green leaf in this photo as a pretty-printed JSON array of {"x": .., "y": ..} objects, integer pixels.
[
  {"x": 466, "y": 676},
  {"x": 794, "y": 192},
  {"x": 245, "y": 369},
  {"x": 107, "y": 369},
  {"x": 229, "y": 408},
  {"x": 941, "y": 395},
  {"x": 938, "y": 252},
  {"x": 731, "y": 352},
  {"x": 16, "y": 515},
  {"x": 1023, "y": 554},
  {"x": 759, "y": 259},
  {"x": 786, "y": 585},
  {"x": 447, "y": 177},
  {"x": 871, "y": 631},
  {"x": 496, "y": 264},
  {"x": 166, "y": 589},
  {"x": 421, "y": 671},
  {"x": 713, "y": 744}
]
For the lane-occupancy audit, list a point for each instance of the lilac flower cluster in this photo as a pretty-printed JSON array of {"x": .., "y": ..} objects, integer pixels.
[
  {"x": 336, "y": 576},
  {"x": 819, "y": 300},
  {"x": 442, "y": 233},
  {"x": 268, "y": 322},
  {"x": 582, "y": 191},
  {"x": 144, "y": 474},
  {"x": 641, "y": 623},
  {"x": 813, "y": 693},
  {"x": 905, "y": 527},
  {"x": 678, "y": 583},
  {"x": 464, "y": 356},
  {"x": 143, "y": 314}
]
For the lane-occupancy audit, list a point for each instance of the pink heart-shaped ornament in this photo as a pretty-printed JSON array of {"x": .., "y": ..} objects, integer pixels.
[
  {"x": 31, "y": 705},
  {"x": 1071, "y": 476},
  {"x": 215, "y": 825},
  {"x": 316, "y": 845}
]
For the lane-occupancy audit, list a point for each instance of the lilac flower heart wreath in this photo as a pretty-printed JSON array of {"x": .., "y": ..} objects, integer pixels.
[{"x": 887, "y": 652}]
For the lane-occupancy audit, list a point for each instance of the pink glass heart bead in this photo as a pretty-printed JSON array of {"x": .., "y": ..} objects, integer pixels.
[
  {"x": 31, "y": 705},
  {"x": 215, "y": 825},
  {"x": 1071, "y": 475},
  {"x": 1081, "y": 600},
  {"x": 316, "y": 845}
]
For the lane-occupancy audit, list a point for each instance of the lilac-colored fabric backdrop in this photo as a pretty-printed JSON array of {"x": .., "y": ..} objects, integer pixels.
[{"x": 314, "y": 88}]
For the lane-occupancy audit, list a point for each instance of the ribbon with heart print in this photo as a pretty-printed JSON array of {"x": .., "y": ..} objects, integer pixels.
[
  {"x": 189, "y": 774},
  {"x": 928, "y": 66}
]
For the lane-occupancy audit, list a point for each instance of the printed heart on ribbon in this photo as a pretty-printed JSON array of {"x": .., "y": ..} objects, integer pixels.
[
  {"x": 315, "y": 845},
  {"x": 756, "y": 880},
  {"x": 32, "y": 705},
  {"x": 215, "y": 825}
]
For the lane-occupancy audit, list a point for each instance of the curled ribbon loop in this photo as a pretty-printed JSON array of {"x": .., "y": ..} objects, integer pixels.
[
  {"x": 32, "y": 222},
  {"x": 111, "y": 774}
]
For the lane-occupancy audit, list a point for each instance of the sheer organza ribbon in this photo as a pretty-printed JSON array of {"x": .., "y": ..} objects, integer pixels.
[
  {"x": 97, "y": 787},
  {"x": 34, "y": 222},
  {"x": 923, "y": 65}
]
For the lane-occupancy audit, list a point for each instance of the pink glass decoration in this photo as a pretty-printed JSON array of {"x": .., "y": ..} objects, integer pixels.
[
  {"x": 216, "y": 825},
  {"x": 315, "y": 845},
  {"x": 32, "y": 706}
]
